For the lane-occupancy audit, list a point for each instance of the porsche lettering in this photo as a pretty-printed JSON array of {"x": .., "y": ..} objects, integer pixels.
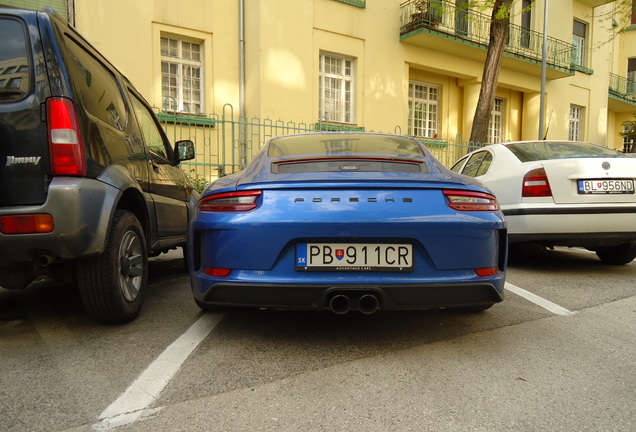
[{"x": 353, "y": 200}]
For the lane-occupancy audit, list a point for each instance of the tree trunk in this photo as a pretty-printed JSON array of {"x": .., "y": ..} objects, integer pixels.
[{"x": 498, "y": 34}]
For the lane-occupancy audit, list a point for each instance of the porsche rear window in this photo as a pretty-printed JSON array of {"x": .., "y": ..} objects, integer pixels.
[
  {"x": 14, "y": 61},
  {"x": 544, "y": 150},
  {"x": 341, "y": 144},
  {"x": 348, "y": 165}
]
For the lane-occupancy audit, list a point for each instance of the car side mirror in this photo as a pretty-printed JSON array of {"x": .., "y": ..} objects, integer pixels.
[{"x": 184, "y": 150}]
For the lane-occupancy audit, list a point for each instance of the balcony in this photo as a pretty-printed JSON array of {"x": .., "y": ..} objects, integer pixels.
[
  {"x": 622, "y": 94},
  {"x": 441, "y": 26}
]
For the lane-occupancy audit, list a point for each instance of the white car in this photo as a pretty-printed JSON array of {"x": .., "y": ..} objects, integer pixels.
[{"x": 562, "y": 193}]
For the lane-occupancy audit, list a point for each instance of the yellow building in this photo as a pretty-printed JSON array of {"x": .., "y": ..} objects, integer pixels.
[{"x": 411, "y": 67}]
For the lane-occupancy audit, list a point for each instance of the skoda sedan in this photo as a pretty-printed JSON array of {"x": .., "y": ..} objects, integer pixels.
[{"x": 562, "y": 193}]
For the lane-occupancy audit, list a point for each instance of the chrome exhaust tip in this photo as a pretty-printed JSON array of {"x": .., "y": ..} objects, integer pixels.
[
  {"x": 340, "y": 304},
  {"x": 368, "y": 304}
]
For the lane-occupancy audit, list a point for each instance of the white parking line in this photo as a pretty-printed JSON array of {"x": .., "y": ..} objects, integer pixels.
[
  {"x": 132, "y": 404},
  {"x": 540, "y": 301}
]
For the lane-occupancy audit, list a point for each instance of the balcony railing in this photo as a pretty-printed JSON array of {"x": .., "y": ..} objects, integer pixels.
[
  {"x": 622, "y": 88},
  {"x": 469, "y": 26}
]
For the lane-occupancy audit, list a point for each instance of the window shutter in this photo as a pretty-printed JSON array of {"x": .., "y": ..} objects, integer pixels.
[{"x": 59, "y": 6}]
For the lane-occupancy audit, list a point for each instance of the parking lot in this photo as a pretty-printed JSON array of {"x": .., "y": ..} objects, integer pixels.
[{"x": 557, "y": 355}]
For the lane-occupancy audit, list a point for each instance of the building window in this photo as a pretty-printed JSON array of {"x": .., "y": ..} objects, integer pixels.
[
  {"x": 336, "y": 101},
  {"x": 495, "y": 125},
  {"x": 423, "y": 110},
  {"x": 181, "y": 75},
  {"x": 631, "y": 76},
  {"x": 526, "y": 22},
  {"x": 576, "y": 119},
  {"x": 628, "y": 142},
  {"x": 579, "y": 44},
  {"x": 461, "y": 17}
]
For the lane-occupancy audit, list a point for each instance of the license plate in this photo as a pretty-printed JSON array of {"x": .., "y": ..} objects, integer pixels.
[
  {"x": 354, "y": 257},
  {"x": 606, "y": 186}
]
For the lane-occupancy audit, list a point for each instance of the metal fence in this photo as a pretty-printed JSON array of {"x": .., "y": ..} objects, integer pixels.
[{"x": 226, "y": 143}]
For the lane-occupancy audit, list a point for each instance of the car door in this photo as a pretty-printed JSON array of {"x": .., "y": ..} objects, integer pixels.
[{"x": 167, "y": 184}]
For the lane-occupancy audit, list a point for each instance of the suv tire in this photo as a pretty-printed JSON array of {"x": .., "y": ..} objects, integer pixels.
[{"x": 113, "y": 284}]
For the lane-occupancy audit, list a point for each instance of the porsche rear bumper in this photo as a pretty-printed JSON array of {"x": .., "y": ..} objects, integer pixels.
[{"x": 318, "y": 296}]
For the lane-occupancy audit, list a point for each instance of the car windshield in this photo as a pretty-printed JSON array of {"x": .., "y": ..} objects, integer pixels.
[
  {"x": 344, "y": 144},
  {"x": 542, "y": 150}
]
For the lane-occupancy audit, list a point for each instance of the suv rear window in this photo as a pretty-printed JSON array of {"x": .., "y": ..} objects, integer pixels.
[{"x": 15, "y": 73}]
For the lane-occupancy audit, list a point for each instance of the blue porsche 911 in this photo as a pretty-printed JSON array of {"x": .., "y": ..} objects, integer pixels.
[{"x": 347, "y": 221}]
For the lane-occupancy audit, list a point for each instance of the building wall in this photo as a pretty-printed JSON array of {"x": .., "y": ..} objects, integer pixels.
[
  {"x": 128, "y": 33},
  {"x": 283, "y": 41}
]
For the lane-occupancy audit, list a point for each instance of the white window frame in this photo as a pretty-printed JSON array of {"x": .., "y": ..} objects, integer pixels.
[
  {"x": 627, "y": 143},
  {"x": 423, "y": 102},
  {"x": 579, "y": 46},
  {"x": 180, "y": 64},
  {"x": 336, "y": 101},
  {"x": 575, "y": 129},
  {"x": 496, "y": 122}
]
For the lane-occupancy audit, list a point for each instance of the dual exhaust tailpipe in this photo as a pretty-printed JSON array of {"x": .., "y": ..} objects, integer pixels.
[{"x": 342, "y": 303}]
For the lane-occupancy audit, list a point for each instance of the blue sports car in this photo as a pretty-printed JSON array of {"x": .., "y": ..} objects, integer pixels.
[{"x": 347, "y": 221}]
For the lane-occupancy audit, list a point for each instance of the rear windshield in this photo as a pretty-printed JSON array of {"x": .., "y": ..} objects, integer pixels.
[
  {"x": 341, "y": 144},
  {"x": 14, "y": 63},
  {"x": 543, "y": 150}
]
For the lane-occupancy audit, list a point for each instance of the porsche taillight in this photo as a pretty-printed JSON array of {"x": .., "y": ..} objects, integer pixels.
[
  {"x": 536, "y": 184},
  {"x": 240, "y": 201},
  {"x": 65, "y": 140},
  {"x": 471, "y": 201}
]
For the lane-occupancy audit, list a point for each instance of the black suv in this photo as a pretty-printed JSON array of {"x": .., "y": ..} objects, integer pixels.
[{"x": 90, "y": 186}]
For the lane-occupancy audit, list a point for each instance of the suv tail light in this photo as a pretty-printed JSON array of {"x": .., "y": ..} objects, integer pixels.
[
  {"x": 536, "y": 184},
  {"x": 471, "y": 201},
  {"x": 65, "y": 140},
  {"x": 230, "y": 201},
  {"x": 26, "y": 224}
]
